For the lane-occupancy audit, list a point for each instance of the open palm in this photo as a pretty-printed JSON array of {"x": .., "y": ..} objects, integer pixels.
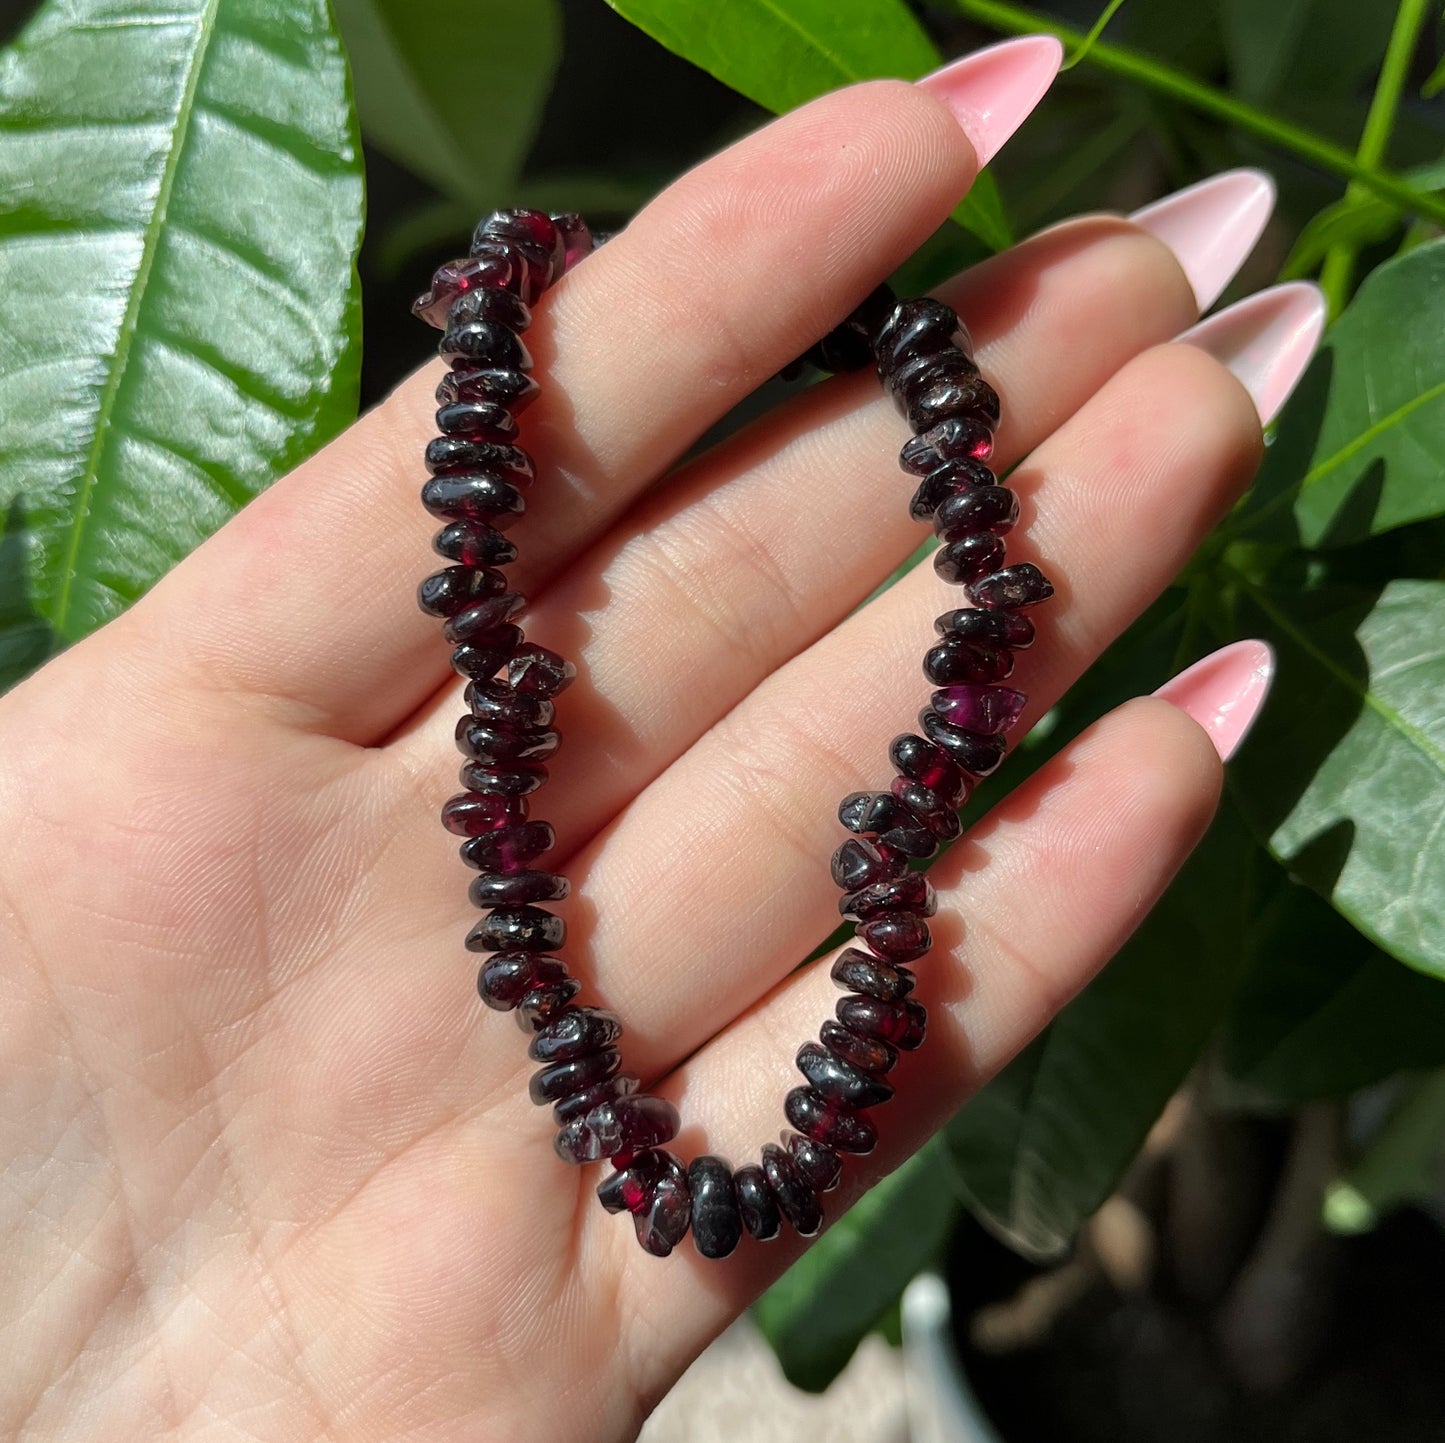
[{"x": 271, "y": 1169}]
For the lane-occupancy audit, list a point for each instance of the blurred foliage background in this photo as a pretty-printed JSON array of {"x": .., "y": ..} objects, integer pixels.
[{"x": 1253, "y": 1097}]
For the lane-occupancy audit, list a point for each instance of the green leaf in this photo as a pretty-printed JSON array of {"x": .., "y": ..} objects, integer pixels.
[
  {"x": 818, "y": 1312},
  {"x": 454, "y": 92},
  {"x": 1048, "y": 1139},
  {"x": 782, "y": 53},
  {"x": 1315, "y": 48},
  {"x": 180, "y": 208},
  {"x": 1322, "y": 1012},
  {"x": 1361, "y": 444},
  {"x": 1345, "y": 771}
]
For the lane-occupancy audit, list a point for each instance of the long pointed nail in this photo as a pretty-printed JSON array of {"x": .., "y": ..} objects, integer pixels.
[
  {"x": 992, "y": 91},
  {"x": 1224, "y": 692},
  {"x": 1267, "y": 341},
  {"x": 1211, "y": 227}
]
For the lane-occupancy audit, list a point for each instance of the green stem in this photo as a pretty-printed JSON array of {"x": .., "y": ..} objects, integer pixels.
[
  {"x": 1338, "y": 271},
  {"x": 1014, "y": 20}
]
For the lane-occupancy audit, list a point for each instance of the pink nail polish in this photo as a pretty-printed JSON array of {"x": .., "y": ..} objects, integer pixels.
[
  {"x": 1267, "y": 341},
  {"x": 992, "y": 91},
  {"x": 1211, "y": 227},
  {"x": 1224, "y": 692}
]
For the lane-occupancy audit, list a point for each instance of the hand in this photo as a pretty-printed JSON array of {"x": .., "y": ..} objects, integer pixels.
[{"x": 271, "y": 1169}]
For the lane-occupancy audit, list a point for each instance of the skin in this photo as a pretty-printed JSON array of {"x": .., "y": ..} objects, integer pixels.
[{"x": 270, "y": 1167}]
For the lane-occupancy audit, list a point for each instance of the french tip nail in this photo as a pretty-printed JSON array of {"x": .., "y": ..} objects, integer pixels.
[
  {"x": 1211, "y": 227},
  {"x": 1224, "y": 692},
  {"x": 992, "y": 91},
  {"x": 1266, "y": 340}
]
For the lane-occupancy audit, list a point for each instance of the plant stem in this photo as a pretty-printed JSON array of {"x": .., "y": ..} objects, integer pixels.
[
  {"x": 1338, "y": 271},
  {"x": 1015, "y": 20}
]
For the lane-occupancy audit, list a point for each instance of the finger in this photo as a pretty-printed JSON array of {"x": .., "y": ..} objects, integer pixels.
[
  {"x": 769, "y": 540},
  {"x": 1114, "y": 504},
  {"x": 1046, "y": 889},
  {"x": 731, "y": 271}
]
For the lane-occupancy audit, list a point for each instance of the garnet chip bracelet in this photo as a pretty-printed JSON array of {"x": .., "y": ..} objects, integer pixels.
[{"x": 478, "y": 478}]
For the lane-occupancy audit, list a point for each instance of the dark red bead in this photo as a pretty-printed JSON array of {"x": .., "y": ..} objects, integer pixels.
[
  {"x": 510, "y": 849},
  {"x": 502, "y": 704},
  {"x": 490, "y": 743},
  {"x": 987, "y": 508},
  {"x": 912, "y": 892},
  {"x": 512, "y": 390},
  {"x": 953, "y": 395},
  {"x": 1011, "y": 588},
  {"x": 717, "y": 1223},
  {"x": 541, "y": 1004},
  {"x": 577, "y": 240},
  {"x": 627, "y": 1189},
  {"x": 455, "y": 588},
  {"x": 951, "y": 662},
  {"x": 561, "y": 1079},
  {"x": 514, "y": 889},
  {"x": 987, "y": 709},
  {"x": 837, "y": 1081},
  {"x": 483, "y": 617},
  {"x": 959, "y": 439},
  {"x": 938, "y": 816},
  {"x": 492, "y": 303},
  {"x": 480, "y": 657},
  {"x": 830, "y": 1122},
  {"x": 452, "y": 455},
  {"x": 472, "y": 813},
  {"x": 503, "y": 980},
  {"x": 872, "y": 1054},
  {"x": 540, "y": 672},
  {"x": 818, "y": 1165},
  {"x": 959, "y": 562},
  {"x": 929, "y": 765},
  {"x": 880, "y": 814},
  {"x": 481, "y": 420},
  {"x": 919, "y": 326},
  {"x": 616, "y": 1128},
  {"x": 898, "y": 936},
  {"x": 796, "y": 1200},
  {"x": 574, "y": 1033},
  {"x": 857, "y": 971},
  {"x": 485, "y": 344},
  {"x": 517, "y": 929},
  {"x": 857, "y": 863},
  {"x": 620, "y": 1084},
  {"x": 474, "y": 543},
  {"x": 457, "y": 278},
  {"x": 901, "y": 1024},
  {"x": 533, "y": 230},
  {"x": 977, "y": 754},
  {"x": 985, "y": 628},
  {"x": 756, "y": 1203},
  {"x": 515, "y": 779},
  {"x": 664, "y": 1220},
  {"x": 474, "y": 496},
  {"x": 952, "y": 478}
]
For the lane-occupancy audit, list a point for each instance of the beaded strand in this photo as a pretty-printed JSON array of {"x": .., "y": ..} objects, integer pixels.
[{"x": 478, "y": 478}]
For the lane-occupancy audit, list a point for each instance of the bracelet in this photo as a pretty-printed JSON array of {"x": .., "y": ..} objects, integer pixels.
[{"x": 476, "y": 488}]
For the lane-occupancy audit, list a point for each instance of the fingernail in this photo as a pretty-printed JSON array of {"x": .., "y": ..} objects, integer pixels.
[
  {"x": 1211, "y": 227},
  {"x": 992, "y": 91},
  {"x": 1267, "y": 341},
  {"x": 1224, "y": 692}
]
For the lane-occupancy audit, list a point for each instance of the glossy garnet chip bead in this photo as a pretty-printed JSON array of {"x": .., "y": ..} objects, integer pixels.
[
  {"x": 514, "y": 391},
  {"x": 574, "y": 1033},
  {"x": 818, "y": 1165},
  {"x": 455, "y": 588},
  {"x": 839, "y": 1082},
  {"x": 898, "y": 936},
  {"x": 1011, "y": 588},
  {"x": 579, "y": 1104},
  {"x": 653, "y": 1188},
  {"x": 539, "y": 672},
  {"x": 830, "y": 1122},
  {"x": 796, "y": 1200},
  {"x": 756, "y": 1203},
  {"x": 859, "y": 971},
  {"x": 506, "y": 978},
  {"x": 474, "y": 543},
  {"x": 857, "y": 863},
  {"x": 717, "y": 1221},
  {"x": 872, "y": 1054},
  {"x": 974, "y": 752},
  {"x": 912, "y": 892},
  {"x": 471, "y": 814},
  {"x": 511, "y": 848},
  {"x": 562, "y": 1079},
  {"x": 900, "y": 1024},
  {"x": 613, "y": 1127},
  {"x": 517, "y": 929}
]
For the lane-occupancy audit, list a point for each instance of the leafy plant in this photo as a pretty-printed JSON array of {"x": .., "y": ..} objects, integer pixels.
[{"x": 181, "y": 209}]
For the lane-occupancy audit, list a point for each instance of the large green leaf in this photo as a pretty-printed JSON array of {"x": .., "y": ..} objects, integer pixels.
[
  {"x": 818, "y": 1312},
  {"x": 454, "y": 92},
  {"x": 1322, "y": 1012},
  {"x": 1048, "y": 1139},
  {"x": 180, "y": 207},
  {"x": 782, "y": 53},
  {"x": 1361, "y": 444},
  {"x": 1345, "y": 773},
  {"x": 1290, "y": 48}
]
